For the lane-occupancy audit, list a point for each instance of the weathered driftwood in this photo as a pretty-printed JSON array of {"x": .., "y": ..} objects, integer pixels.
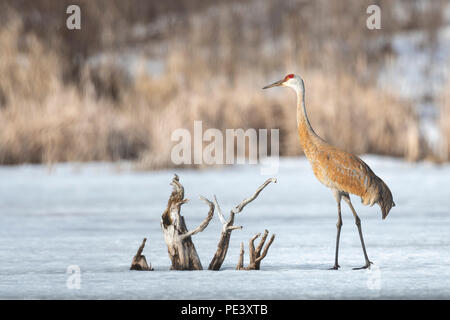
[
  {"x": 181, "y": 249},
  {"x": 139, "y": 262},
  {"x": 255, "y": 254},
  {"x": 228, "y": 227}
]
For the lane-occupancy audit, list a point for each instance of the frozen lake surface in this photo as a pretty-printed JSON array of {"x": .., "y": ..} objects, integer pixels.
[{"x": 95, "y": 216}]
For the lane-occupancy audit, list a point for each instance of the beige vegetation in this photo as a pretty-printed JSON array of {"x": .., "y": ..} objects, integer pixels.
[
  {"x": 444, "y": 121},
  {"x": 57, "y": 105}
]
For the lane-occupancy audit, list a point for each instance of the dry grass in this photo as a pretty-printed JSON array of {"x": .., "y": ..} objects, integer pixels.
[
  {"x": 43, "y": 120},
  {"x": 216, "y": 63},
  {"x": 444, "y": 122},
  {"x": 356, "y": 118},
  {"x": 66, "y": 127}
]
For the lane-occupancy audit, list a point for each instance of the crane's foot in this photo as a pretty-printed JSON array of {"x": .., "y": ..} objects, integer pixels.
[
  {"x": 335, "y": 267},
  {"x": 366, "y": 266}
]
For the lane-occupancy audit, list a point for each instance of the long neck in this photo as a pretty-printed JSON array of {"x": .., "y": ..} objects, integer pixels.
[
  {"x": 302, "y": 117},
  {"x": 309, "y": 140},
  {"x": 305, "y": 131}
]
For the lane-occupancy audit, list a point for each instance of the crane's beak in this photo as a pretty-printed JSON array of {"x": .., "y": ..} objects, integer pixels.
[{"x": 275, "y": 84}]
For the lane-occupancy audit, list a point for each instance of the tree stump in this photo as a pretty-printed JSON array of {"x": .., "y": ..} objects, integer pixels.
[
  {"x": 139, "y": 262},
  {"x": 178, "y": 239},
  {"x": 255, "y": 254}
]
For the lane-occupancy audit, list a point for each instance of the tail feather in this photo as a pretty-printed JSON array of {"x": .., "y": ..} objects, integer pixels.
[{"x": 385, "y": 200}]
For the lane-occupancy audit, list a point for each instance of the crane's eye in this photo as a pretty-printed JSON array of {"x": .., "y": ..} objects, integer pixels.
[{"x": 289, "y": 76}]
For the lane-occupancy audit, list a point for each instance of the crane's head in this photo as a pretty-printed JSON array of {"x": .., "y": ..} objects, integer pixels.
[{"x": 291, "y": 80}]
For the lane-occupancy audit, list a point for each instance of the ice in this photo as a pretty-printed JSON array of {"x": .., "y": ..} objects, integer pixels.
[{"x": 95, "y": 216}]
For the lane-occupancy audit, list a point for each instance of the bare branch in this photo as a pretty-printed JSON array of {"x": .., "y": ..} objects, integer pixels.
[
  {"x": 205, "y": 222},
  {"x": 219, "y": 211},
  {"x": 241, "y": 206},
  {"x": 240, "y": 265},
  {"x": 255, "y": 257},
  {"x": 139, "y": 262},
  {"x": 266, "y": 249},
  {"x": 228, "y": 227},
  {"x": 251, "y": 247},
  {"x": 261, "y": 243},
  {"x": 139, "y": 252}
]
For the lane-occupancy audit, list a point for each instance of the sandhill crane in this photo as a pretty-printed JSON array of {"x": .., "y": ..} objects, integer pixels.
[{"x": 342, "y": 172}]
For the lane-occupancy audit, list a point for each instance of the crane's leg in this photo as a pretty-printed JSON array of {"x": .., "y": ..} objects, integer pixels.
[
  {"x": 358, "y": 224},
  {"x": 337, "y": 196}
]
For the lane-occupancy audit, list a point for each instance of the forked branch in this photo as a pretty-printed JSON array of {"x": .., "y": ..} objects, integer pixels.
[
  {"x": 228, "y": 227},
  {"x": 255, "y": 255},
  {"x": 244, "y": 202}
]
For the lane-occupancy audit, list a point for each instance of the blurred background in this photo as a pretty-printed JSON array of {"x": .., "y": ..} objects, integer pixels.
[{"x": 137, "y": 70}]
